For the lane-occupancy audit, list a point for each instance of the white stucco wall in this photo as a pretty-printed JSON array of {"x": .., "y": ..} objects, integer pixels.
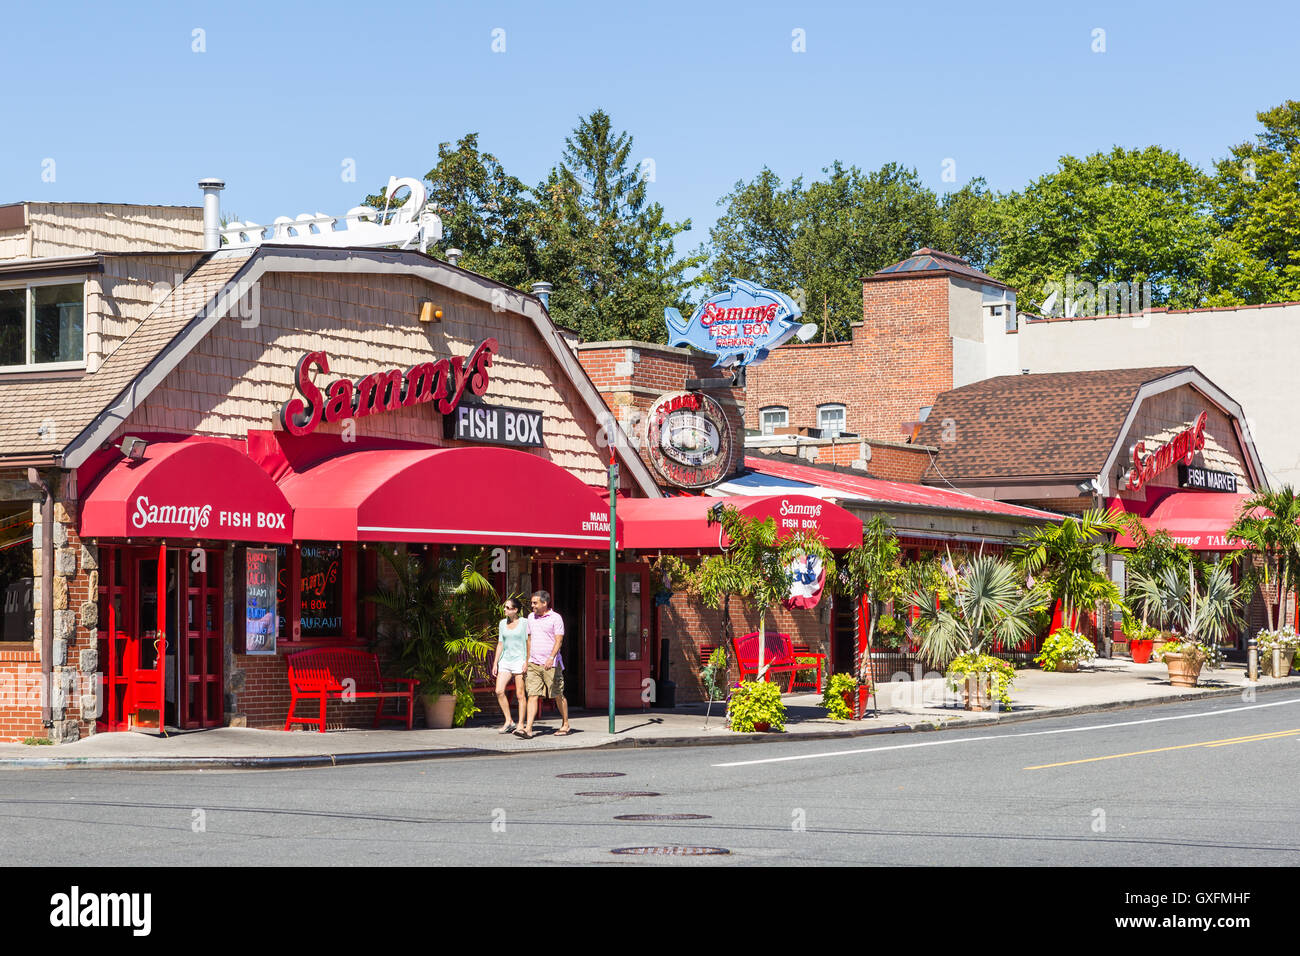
[
  {"x": 980, "y": 346},
  {"x": 1253, "y": 354}
]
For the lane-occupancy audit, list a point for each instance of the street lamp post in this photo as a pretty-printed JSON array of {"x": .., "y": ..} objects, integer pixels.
[{"x": 613, "y": 557}]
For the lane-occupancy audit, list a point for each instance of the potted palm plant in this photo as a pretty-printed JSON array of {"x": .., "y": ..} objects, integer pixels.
[
  {"x": 1200, "y": 615},
  {"x": 987, "y": 606},
  {"x": 440, "y": 618}
]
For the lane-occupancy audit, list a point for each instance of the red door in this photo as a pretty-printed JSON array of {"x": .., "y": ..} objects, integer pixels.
[
  {"x": 631, "y": 645},
  {"x": 145, "y": 660},
  {"x": 199, "y": 661}
]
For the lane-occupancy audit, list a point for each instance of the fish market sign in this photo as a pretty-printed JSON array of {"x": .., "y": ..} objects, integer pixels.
[{"x": 740, "y": 325}]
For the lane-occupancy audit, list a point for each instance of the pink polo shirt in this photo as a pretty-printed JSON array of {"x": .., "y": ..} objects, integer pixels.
[{"x": 544, "y": 631}]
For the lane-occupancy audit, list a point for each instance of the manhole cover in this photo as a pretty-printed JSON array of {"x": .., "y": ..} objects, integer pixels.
[
  {"x": 664, "y": 816},
  {"x": 671, "y": 851},
  {"x": 589, "y": 776},
  {"x": 619, "y": 793}
]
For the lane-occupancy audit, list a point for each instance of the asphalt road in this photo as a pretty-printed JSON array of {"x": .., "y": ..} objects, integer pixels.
[{"x": 1209, "y": 783}]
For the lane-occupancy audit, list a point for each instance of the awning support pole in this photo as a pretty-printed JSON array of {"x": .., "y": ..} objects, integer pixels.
[{"x": 613, "y": 557}]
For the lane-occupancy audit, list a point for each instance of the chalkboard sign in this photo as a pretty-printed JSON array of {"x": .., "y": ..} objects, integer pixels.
[{"x": 260, "y": 618}]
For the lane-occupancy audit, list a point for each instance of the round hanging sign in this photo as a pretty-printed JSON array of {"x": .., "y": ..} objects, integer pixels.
[{"x": 689, "y": 440}]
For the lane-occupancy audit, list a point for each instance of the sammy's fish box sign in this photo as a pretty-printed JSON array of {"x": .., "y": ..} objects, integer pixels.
[
  {"x": 740, "y": 325},
  {"x": 443, "y": 382},
  {"x": 494, "y": 425},
  {"x": 202, "y": 520}
]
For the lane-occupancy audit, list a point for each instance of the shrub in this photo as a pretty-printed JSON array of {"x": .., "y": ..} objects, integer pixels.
[
  {"x": 1064, "y": 646},
  {"x": 756, "y": 702},
  {"x": 999, "y": 673},
  {"x": 833, "y": 696}
]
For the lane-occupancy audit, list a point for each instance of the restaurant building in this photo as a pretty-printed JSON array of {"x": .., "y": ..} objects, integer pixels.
[
  {"x": 1166, "y": 444},
  {"x": 184, "y": 426}
]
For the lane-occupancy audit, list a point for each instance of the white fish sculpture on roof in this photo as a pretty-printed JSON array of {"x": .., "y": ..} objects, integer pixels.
[{"x": 413, "y": 223}]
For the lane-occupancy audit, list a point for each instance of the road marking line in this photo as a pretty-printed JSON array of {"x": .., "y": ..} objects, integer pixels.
[
  {"x": 1032, "y": 733},
  {"x": 1159, "y": 750}
]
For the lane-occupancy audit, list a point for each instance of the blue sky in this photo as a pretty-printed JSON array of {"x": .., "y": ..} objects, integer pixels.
[{"x": 284, "y": 94}]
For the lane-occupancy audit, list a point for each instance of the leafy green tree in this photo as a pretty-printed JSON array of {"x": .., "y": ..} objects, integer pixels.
[
  {"x": 1268, "y": 525},
  {"x": 872, "y": 569},
  {"x": 988, "y": 607},
  {"x": 755, "y": 569},
  {"x": 1257, "y": 204},
  {"x": 1065, "y": 557},
  {"x": 608, "y": 250},
  {"x": 815, "y": 242},
  {"x": 1130, "y": 215}
]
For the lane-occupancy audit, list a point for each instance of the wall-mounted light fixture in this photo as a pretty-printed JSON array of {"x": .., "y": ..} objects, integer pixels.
[{"x": 428, "y": 312}]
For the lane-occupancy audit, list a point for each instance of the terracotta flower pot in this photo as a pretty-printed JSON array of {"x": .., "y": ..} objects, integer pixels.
[
  {"x": 1277, "y": 663},
  {"x": 439, "y": 709},
  {"x": 1141, "y": 650},
  {"x": 1183, "y": 671},
  {"x": 761, "y": 726}
]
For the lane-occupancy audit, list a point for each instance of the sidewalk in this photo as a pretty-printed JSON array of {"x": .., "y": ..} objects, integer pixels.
[{"x": 904, "y": 706}]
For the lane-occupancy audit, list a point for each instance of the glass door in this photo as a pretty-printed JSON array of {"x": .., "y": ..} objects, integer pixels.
[
  {"x": 199, "y": 663},
  {"x": 631, "y": 644}
]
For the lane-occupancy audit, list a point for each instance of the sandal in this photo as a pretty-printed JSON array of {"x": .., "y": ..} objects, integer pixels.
[
  {"x": 523, "y": 735},
  {"x": 507, "y": 729},
  {"x": 564, "y": 733}
]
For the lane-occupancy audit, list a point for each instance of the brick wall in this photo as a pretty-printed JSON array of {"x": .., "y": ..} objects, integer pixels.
[
  {"x": 899, "y": 359},
  {"x": 688, "y": 624}
]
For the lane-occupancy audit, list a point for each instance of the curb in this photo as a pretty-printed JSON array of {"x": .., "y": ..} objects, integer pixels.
[{"x": 632, "y": 743}]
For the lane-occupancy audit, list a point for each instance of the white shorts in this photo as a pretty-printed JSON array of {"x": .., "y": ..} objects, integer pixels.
[{"x": 514, "y": 667}]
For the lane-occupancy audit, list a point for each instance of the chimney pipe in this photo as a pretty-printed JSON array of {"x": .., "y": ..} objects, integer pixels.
[
  {"x": 211, "y": 213},
  {"x": 543, "y": 291},
  {"x": 453, "y": 256}
]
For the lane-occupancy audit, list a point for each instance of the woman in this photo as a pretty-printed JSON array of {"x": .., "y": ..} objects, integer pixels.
[{"x": 511, "y": 661}]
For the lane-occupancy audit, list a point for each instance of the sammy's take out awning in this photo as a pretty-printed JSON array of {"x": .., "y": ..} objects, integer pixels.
[
  {"x": 681, "y": 523},
  {"x": 1199, "y": 520},
  {"x": 191, "y": 490},
  {"x": 478, "y": 495}
]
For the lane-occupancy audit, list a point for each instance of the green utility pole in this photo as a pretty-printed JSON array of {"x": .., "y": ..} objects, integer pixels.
[{"x": 613, "y": 557}]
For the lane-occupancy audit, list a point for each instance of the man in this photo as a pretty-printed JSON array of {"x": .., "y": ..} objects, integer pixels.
[{"x": 545, "y": 673}]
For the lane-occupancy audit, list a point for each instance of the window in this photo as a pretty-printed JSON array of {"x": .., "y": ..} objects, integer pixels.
[
  {"x": 16, "y": 570},
  {"x": 42, "y": 324},
  {"x": 830, "y": 419},
  {"x": 774, "y": 418}
]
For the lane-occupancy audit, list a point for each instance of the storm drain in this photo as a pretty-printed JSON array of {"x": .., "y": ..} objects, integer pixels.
[
  {"x": 664, "y": 816},
  {"x": 590, "y": 776},
  {"x": 619, "y": 793},
  {"x": 670, "y": 851}
]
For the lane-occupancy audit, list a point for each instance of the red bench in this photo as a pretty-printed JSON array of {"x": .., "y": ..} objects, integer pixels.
[
  {"x": 801, "y": 650},
  {"x": 337, "y": 673},
  {"x": 778, "y": 656}
]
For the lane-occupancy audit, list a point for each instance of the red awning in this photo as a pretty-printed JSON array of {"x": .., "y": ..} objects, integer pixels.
[
  {"x": 478, "y": 495},
  {"x": 1198, "y": 519},
  {"x": 191, "y": 489},
  {"x": 684, "y": 522}
]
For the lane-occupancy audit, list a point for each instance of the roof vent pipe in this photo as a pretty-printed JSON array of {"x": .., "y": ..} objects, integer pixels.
[
  {"x": 543, "y": 291},
  {"x": 453, "y": 256},
  {"x": 211, "y": 213}
]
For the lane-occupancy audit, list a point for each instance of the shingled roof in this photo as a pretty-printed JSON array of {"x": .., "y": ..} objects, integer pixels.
[
  {"x": 45, "y": 415},
  {"x": 930, "y": 262},
  {"x": 1055, "y": 424}
]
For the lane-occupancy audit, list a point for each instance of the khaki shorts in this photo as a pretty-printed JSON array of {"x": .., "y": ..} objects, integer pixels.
[{"x": 544, "y": 681}]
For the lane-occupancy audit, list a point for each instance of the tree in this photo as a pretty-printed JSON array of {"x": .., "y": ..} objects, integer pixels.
[
  {"x": 872, "y": 569},
  {"x": 1065, "y": 555},
  {"x": 816, "y": 242},
  {"x": 1257, "y": 205},
  {"x": 606, "y": 248},
  {"x": 988, "y": 607},
  {"x": 1152, "y": 553},
  {"x": 755, "y": 568},
  {"x": 1267, "y": 525},
  {"x": 1134, "y": 216}
]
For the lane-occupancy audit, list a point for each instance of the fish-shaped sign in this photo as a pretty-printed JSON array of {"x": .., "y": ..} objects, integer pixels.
[{"x": 740, "y": 325}]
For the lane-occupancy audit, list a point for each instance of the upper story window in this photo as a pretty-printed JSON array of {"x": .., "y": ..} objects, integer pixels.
[
  {"x": 830, "y": 419},
  {"x": 42, "y": 324},
  {"x": 774, "y": 418}
]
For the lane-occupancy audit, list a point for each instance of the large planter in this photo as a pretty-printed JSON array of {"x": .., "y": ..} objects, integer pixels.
[
  {"x": 1141, "y": 650},
  {"x": 977, "y": 691},
  {"x": 1067, "y": 667},
  {"x": 439, "y": 709},
  {"x": 1183, "y": 671},
  {"x": 1277, "y": 663}
]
